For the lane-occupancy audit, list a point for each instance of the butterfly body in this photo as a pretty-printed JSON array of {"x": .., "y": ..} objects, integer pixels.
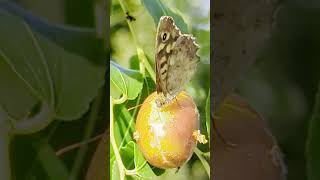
[{"x": 176, "y": 60}]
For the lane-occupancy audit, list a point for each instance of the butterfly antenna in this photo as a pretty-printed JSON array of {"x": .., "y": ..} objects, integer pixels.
[
  {"x": 138, "y": 105},
  {"x": 220, "y": 136}
]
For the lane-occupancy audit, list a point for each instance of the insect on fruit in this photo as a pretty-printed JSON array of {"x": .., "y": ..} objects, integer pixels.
[{"x": 167, "y": 125}]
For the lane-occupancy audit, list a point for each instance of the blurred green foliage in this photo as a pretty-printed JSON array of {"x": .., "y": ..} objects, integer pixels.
[
  {"x": 283, "y": 82},
  {"x": 59, "y": 65},
  {"x": 132, "y": 44}
]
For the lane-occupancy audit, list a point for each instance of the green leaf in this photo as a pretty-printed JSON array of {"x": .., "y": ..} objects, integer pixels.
[
  {"x": 53, "y": 166},
  {"x": 157, "y": 9},
  {"x": 123, "y": 126},
  {"x": 76, "y": 80},
  {"x": 142, "y": 167},
  {"x": 38, "y": 71},
  {"x": 127, "y": 155},
  {"x": 13, "y": 90},
  {"x": 127, "y": 82},
  {"x": 313, "y": 146},
  {"x": 208, "y": 115},
  {"x": 26, "y": 58}
]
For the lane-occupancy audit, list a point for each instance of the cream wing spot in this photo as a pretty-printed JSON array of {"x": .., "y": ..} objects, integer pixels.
[
  {"x": 172, "y": 61},
  {"x": 160, "y": 47},
  {"x": 164, "y": 69},
  {"x": 163, "y": 60},
  {"x": 173, "y": 45},
  {"x": 168, "y": 49}
]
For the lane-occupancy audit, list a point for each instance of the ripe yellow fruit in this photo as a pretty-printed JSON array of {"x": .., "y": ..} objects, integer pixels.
[{"x": 165, "y": 135}]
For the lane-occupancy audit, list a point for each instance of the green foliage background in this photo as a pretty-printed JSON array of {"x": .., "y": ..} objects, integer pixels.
[{"x": 133, "y": 79}]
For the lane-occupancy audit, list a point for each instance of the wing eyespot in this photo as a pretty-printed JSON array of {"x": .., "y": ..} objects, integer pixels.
[{"x": 165, "y": 36}]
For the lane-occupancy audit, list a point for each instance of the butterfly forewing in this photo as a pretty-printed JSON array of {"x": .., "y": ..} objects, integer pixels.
[{"x": 167, "y": 34}]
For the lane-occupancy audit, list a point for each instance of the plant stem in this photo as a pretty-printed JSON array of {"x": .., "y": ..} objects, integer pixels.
[
  {"x": 203, "y": 161},
  {"x": 130, "y": 122},
  {"x": 114, "y": 144},
  {"x": 141, "y": 55},
  {"x": 88, "y": 132}
]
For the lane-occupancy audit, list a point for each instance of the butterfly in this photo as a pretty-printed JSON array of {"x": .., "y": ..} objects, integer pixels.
[{"x": 176, "y": 60}]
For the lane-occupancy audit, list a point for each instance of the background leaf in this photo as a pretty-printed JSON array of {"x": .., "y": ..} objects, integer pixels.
[
  {"x": 157, "y": 9},
  {"x": 237, "y": 41},
  {"x": 46, "y": 67},
  {"x": 53, "y": 166},
  {"x": 128, "y": 82}
]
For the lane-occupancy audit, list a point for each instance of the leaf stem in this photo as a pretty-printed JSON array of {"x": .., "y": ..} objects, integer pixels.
[
  {"x": 36, "y": 123},
  {"x": 120, "y": 100},
  {"x": 203, "y": 161}
]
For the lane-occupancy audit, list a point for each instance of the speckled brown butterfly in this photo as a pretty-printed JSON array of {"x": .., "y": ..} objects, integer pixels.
[{"x": 176, "y": 60}]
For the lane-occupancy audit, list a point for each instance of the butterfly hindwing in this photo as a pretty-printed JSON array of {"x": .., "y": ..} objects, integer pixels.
[{"x": 182, "y": 64}]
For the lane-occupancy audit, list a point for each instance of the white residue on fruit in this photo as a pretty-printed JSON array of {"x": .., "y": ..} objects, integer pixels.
[{"x": 157, "y": 121}]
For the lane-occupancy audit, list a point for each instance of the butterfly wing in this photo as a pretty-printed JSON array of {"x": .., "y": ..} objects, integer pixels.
[
  {"x": 176, "y": 58},
  {"x": 168, "y": 29},
  {"x": 182, "y": 64}
]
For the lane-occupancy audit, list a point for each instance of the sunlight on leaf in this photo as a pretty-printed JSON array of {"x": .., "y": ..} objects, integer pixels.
[{"x": 128, "y": 82}]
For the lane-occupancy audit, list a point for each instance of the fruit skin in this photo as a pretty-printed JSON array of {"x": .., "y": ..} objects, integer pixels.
[{"x": 164, "y": 135}]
